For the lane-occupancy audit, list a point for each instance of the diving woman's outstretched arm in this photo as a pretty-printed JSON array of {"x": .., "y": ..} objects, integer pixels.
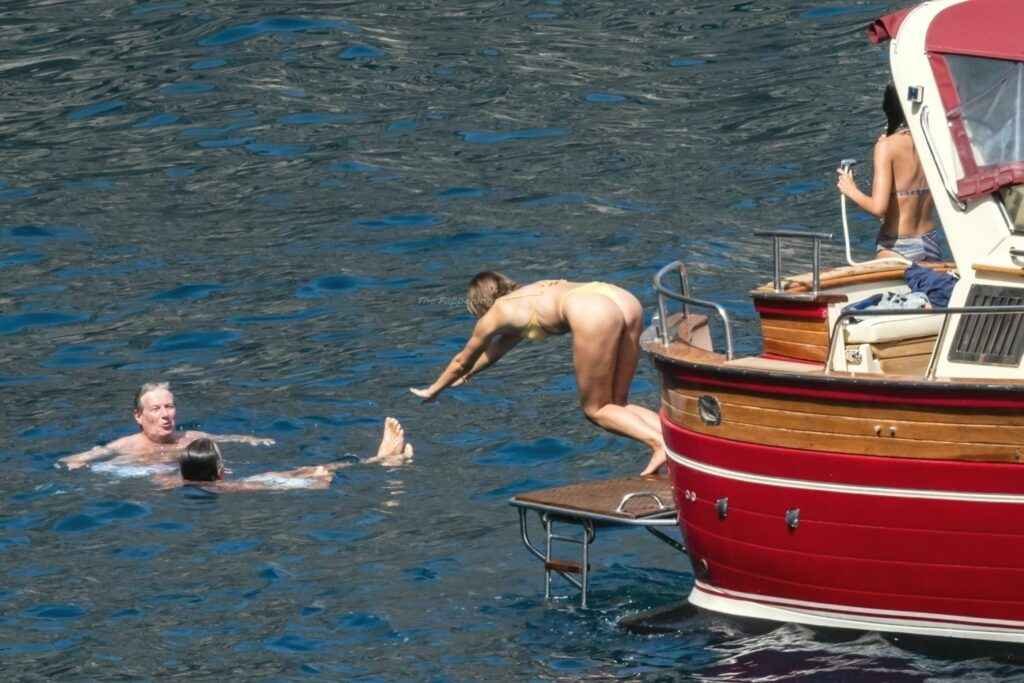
[
  {"x": 499, "y": 346},
  {"x": 487, "y": 329}
]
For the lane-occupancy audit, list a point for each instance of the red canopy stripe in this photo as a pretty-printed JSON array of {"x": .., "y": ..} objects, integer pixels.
[{"x": 979, "y": 28}]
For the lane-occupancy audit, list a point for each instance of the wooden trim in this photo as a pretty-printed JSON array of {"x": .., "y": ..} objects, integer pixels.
[
  {"x": 961, "y": 416},
  {"x": 799, "y": 338},
  {"x": 817, "y": 337},
  {"x": 904, "y": 347},
  {"x": 984, "y": 391},
  {"x": 822, "y": 434},
  {"x": 784, "y": 323},
  {"x": 986, "y": 269},
  {"x": 906, "y": 365},
  {"x": 880, "y": 271},
  {"x": 804, "y": 312},
  {"x": 881, "y": 426},
  {"x": 872, "y": 271},
  {"x": 904, "y": 357},
  {"x": 837, "y": 277},
  {"x": 794, "y": 350},
  {"x": 796, "y": 300}
]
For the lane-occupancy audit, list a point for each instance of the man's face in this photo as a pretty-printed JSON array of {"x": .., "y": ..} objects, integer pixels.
[{"x": 156, "y": 418}]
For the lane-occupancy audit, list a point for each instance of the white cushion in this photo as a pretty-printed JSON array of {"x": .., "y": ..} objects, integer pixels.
[{"x": 885, "y": 328}]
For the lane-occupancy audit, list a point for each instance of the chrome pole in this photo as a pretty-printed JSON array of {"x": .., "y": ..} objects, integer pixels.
[{"x": 777, "y": 263}]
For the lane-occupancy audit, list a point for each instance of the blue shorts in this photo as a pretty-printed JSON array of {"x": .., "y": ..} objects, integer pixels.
[{"x": 923, "y": 248}]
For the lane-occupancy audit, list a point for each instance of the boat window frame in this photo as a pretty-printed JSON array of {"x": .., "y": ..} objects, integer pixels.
[{"x": 977, "y": 180}]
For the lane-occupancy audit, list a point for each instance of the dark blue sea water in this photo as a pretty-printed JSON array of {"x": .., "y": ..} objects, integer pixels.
[{"x": 276, "y": 207}]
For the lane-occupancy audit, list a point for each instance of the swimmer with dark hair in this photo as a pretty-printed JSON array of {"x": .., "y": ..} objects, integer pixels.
[
  {"x": 202, "y": 465},
  {"x": 158, "y": 441}
]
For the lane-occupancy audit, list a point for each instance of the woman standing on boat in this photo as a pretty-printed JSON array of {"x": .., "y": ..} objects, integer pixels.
[
  {"x": 605, "y": 322},
  {"x": 899, "y": 197}
]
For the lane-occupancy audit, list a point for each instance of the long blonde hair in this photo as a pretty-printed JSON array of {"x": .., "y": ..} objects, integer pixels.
[{"x": 485, "y": 288}]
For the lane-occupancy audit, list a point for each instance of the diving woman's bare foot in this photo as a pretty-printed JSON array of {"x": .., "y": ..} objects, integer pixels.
[{"x": 658, "y": 458}]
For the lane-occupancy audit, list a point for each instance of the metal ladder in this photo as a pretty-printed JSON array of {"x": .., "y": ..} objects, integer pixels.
[{"x": 578, "y": 573}]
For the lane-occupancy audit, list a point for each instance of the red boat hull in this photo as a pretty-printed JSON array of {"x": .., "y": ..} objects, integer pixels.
[{"x": 899, "y": 544}]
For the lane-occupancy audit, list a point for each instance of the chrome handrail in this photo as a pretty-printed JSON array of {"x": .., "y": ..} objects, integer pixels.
[
  {"x": 776, "y": 236},
  {"x": 945, "y": 312},
  {"x": 847, "y": 165},
  {"x": 639, "y": 494},
  {"x": 684, "y": 297}
]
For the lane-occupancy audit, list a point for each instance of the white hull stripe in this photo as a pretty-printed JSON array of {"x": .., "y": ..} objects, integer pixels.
[
  {"x": 910, "y": 617},
  {"x": 766, "y": 480},
  {"x": 837, "y": 616}
]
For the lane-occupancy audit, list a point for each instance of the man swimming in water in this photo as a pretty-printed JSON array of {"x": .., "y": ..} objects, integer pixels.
[
  {"x": 158, "y": 442},
  {"x": 202, "y": 465}
]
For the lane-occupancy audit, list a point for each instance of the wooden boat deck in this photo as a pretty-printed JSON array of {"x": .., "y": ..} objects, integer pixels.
[{"x": 636, "y": 501}]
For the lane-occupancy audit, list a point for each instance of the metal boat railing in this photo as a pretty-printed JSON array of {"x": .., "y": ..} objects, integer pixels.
[
  {"x": 684, "y": 296},
  {"x": 777, "y": 235},
  {"x": 945, "y": 312},
  {"x": 846, "y": 165}
]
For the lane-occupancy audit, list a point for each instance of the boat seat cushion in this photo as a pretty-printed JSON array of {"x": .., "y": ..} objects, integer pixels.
[{"x": 887, "y": 328}]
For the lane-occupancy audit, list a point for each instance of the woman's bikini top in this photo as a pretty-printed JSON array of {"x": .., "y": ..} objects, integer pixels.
[
  {"x": 533, "y": 331},
  {"x": 915, "y": 192}
]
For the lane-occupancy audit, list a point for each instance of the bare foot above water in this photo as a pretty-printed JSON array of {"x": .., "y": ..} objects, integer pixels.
[{"x": 393, "y": 449}]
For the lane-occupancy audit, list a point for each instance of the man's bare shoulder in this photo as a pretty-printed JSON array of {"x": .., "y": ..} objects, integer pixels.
[
  {"x": 188, "y": 436},
  {"x": 134, "y": 444}
]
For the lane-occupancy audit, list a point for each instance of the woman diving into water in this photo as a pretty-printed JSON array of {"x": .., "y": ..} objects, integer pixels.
[{"x": 605, "y": 322}]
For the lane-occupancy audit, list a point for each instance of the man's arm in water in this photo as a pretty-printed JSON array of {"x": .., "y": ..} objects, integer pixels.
[
  {"x": 73, "y": 462},
  {"x": 233, "y": 438}
]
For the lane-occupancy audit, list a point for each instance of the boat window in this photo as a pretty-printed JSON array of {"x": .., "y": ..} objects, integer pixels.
[
  {"x": 986, "y": 116},
  {"x": 991, "y": 93}
]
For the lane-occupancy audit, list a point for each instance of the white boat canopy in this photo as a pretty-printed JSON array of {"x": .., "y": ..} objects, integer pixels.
[{"x": 977, "y": 59}]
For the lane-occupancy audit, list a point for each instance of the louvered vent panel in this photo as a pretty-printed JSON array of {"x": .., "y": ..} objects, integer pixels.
[{"x": 991, "y": 339}]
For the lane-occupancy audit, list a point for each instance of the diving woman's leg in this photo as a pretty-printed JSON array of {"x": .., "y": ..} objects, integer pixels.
[
  {"x": 626, "y": 362},
  {"x": 594, "y": 357}
]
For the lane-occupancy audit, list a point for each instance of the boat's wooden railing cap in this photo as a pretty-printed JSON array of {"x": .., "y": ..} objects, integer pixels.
[
  {"x": 872, "y": 271},
  {"x": 991, "y": 269},
  {"x": 771, "y": 296}
]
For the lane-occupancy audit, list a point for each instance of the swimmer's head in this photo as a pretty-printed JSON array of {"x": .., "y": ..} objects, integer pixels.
[
  {"x": 202, "y": 461},
  {"x": 145, "y": 389},
  {"x": 895, "y": 118},
  {"x": 485, "y": 288},
  {"x": 155, "y": 412}
]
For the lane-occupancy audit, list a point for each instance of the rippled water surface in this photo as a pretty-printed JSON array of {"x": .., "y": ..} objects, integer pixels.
[{"x": 276, "y": 206}]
